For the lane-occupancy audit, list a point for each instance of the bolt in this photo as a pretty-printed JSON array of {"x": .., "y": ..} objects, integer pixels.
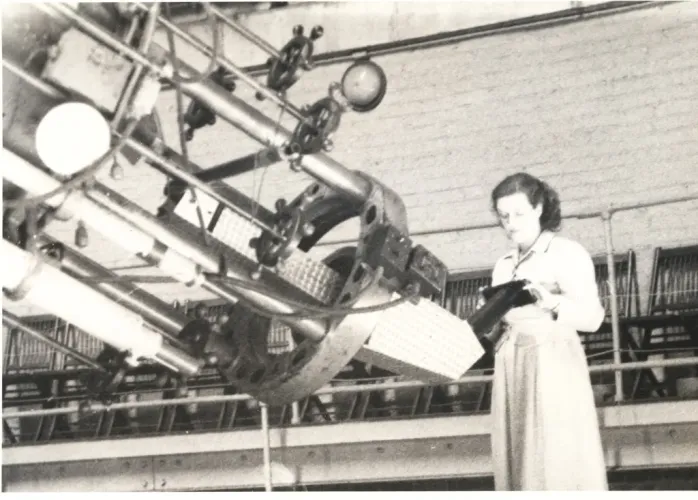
[
  {"x": 164, "y": 483},
  {"x": 145, "y": 484}
]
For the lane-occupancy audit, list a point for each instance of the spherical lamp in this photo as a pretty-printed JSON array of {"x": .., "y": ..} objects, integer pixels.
[
  {"x": 364, "y": 85},
  {"x": 72, "y": 136}
]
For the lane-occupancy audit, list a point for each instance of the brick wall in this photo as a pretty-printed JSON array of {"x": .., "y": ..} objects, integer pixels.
[{"x": 603, "y": 109}]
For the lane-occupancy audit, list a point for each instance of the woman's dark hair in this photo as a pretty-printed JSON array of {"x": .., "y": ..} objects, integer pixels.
[{"x": 537, "y": 191}]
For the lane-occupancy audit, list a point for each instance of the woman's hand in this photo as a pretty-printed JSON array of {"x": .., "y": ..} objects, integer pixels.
[{"x": 544, "y": 297}]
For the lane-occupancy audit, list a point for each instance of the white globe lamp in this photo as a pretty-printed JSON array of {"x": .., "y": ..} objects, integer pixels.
[{"x": 72, "y": 136}]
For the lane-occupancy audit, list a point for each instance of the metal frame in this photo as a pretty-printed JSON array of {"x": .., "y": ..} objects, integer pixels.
[{"x": 654, "y": 435}]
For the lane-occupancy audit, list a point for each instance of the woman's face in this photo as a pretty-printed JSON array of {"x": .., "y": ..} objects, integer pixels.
[{"x": 520, "y": 220}]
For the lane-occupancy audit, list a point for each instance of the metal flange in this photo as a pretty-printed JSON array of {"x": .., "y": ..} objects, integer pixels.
[{"x": 281, "y": 378}]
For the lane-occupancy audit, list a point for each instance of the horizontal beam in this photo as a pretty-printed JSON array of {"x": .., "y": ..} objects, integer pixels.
[{"x": 653, "y": 435}]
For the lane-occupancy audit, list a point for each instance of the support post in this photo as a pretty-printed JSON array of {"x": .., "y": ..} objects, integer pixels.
[
  {"x": 615, "y": 325},
  {"x": 266, "y": 450}
]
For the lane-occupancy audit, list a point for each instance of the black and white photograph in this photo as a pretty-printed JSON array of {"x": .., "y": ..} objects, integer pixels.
[{"x": 349, "y": 246}]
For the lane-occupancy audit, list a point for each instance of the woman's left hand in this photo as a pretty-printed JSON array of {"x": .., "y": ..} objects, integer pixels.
[{"x": 544, "y": 298}]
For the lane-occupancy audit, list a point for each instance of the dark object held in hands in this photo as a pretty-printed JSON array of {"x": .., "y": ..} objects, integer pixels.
[{"x": 500, "y": 300}]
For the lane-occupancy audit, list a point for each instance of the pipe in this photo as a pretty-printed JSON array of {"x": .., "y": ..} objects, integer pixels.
[
  {"x": 14, "y": 322},
  {"x": 342, "y": 389},
  {"x": 540, "y": 21},
  {"x": 236, "y": 112},
  {"x": 144, "y": 45},
  {"x": 247, "y": 34},
  {"x": 232, "y": 197},
  {"x": 193, "y": 180},
  {"x": 132, "y": 236},
  {"x": 202, "y": 47},
  {"x": 571, "y": 215},
  {"x": 80, "y": 305},
  {"x": 268, "y": 132},
  {"x": 266, "y": 448},
  {"x": 169, "y": 355},
  {"x": 153, "y": 310},
  {"x": 615, "y": 324},
  {"x": 260, "y": 159}
]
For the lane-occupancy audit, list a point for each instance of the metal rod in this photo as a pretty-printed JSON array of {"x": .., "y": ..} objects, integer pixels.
[
  {"x": 220, "y": 191},
  {"x": 126, "y": 230},
  {"x": 260, "y": 159},
  {"x": 100, "y": 34},
  {"x": 311, "y": 328},
  {"x": 266, "y": 449},
  {"x": 267, "y": 131},
  {"x": 193, "y": 180},
  {"x": 571, "y": 215},
  {"x": 236, "y": 112},
  {"x": 615, "y": 324},
  {"x": 155, "y": 311},
  {"x": 344, "y": 389},
  {"x": 65, "y": 297},
  {"x": 14, "y": 322},
  {"x": 144, "y": 45},
  {"x": 226, "y": 63},
  {"x": 539, "y": 21},
  {"x": 39, "y": 84},
  {"x": 249, "y": 35}
]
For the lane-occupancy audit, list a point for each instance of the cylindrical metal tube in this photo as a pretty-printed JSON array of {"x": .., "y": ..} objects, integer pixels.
[
  {"x": 341, "y": 389},
  {"x": 14, "y": 322},
  {"x": 193, "y": 180},
  {"x": 265, "y": 130},
  {"x": 266, "y": 448},
  {"x": 80, "y": 305},
  {"x": 153, "y": 310},
  {"x": 131, "y": 235},
  {"x": 171, "y": 356},
  {"x": 147, "y": 223},
  {"x": 230, "y": 66},
  {"x": 237, "y": 113},
  {"x": 250, "y": 36},
  {"x": 146, "y": 39},
  {"x": 311, "y": 328},
  {"x": 615, "y": 323}
]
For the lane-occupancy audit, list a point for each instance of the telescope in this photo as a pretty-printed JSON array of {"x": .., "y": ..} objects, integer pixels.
[{"x": 81, "y": 88}]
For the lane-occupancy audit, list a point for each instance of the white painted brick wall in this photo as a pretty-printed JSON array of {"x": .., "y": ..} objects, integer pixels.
[{"x": 604, "y": 109}]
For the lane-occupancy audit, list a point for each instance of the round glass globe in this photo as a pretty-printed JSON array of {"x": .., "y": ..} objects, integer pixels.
[
  {"x": 363, "y": 85},
  {"x": 72, "y": 136}
]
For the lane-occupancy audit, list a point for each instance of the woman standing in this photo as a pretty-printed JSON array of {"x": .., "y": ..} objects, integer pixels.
[{"x": 546, "y": 431}]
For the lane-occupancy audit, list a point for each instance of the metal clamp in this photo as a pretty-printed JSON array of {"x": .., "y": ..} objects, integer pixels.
[{"x": 323, "y": 119}]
